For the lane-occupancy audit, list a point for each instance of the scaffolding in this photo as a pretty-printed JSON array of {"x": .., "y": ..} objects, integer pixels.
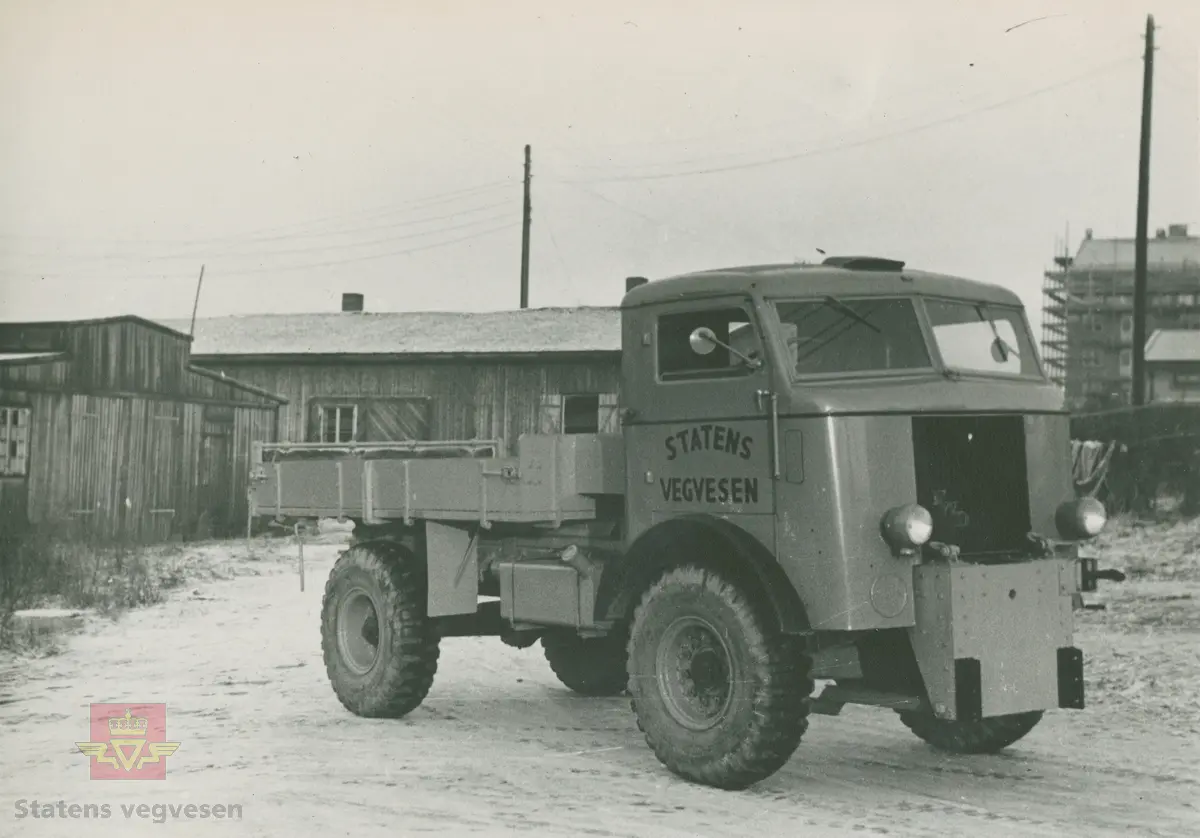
[
  {"x": 1087, "y": 313},
  {"x": 1055, "y": 318}
]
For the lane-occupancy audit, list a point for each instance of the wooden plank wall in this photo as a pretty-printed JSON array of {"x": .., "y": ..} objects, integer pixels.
[
  {"x": 125, "y": 467},
  {"x": 469, "y": 400},
  {"x": 124, "y": 357}
]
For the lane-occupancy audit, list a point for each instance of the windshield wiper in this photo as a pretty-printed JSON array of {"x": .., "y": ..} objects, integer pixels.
[
  {"x": 835, "y": 303},
  {"x": 1000, "y": 343}
]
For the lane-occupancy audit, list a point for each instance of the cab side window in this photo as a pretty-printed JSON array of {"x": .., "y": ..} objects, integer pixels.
[{"x": 677, "y": 360}]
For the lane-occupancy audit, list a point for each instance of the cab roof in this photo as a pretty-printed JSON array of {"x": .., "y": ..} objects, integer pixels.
[{"x": 840, "y": 276}]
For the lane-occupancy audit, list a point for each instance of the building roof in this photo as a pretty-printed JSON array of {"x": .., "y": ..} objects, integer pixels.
[
  {"x": 800, "y": 280},
  {"x": 1170, "y": 252},
  {"x": 1173, "y": 346},
  {"x": 421, "y": 333}
]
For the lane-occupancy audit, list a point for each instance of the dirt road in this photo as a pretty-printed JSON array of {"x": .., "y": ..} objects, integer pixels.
[{"x": 499, "y": 748}]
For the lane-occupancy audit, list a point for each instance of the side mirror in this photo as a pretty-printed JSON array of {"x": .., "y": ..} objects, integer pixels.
[{"x": 703, "y": 341}]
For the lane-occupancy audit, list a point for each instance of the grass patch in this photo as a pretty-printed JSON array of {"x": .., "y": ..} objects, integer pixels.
[
  {"x": 1165, "y": 550},
  {"x": 39, "y": 569}
]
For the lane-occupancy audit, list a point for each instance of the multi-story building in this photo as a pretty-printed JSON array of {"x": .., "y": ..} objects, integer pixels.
[{"x": 1087, "y": 312}]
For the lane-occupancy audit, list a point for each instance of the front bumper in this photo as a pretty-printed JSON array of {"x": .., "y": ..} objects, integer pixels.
[{"x": 991, "y": 640}]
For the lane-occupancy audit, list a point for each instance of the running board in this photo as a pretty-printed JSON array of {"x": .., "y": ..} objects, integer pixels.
[{"x": 833, "y": 698}]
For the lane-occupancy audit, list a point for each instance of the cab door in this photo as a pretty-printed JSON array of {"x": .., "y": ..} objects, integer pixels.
[{"x": 696, "y": 424}]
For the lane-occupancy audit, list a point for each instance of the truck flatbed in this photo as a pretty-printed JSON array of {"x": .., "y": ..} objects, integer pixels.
[{"x": 553, "y": 479}]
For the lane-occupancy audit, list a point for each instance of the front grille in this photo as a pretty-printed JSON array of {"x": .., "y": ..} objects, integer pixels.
[{"x": 971, "y": 476}]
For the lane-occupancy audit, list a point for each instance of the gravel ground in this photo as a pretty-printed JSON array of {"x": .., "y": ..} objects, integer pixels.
[{"x": 500, "y": 748}]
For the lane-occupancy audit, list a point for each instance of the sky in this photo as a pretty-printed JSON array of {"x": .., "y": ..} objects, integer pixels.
[{"x": 298, "y": 150}]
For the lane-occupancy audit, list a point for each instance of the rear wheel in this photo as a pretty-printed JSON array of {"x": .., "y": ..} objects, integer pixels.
[
  {"x": 592, "y": 666},
  {"x": 721, "y": 696},
  {"x": 986, "y": 736},
  {"x": 380, "y": 650}
]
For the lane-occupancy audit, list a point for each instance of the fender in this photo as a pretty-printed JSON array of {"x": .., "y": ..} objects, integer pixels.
[{"x": 714, "y": 541}]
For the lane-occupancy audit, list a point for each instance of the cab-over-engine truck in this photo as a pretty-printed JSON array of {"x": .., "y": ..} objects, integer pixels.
[{"x": 847, "y": 472}]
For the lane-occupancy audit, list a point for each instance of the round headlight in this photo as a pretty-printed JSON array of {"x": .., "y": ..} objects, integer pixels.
[
  {"x": 1081, "y": 518},
  {"x": 908, "y": 526}
]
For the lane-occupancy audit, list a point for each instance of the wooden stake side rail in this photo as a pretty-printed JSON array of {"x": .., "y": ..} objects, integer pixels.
[{"x": 553, "y": 479}]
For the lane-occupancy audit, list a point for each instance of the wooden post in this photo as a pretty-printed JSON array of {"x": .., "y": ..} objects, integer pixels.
[
  {"x": 526, "y": 221},
  {"x": 1138, "y": 393},
  {"x": 300, "y": 545}
]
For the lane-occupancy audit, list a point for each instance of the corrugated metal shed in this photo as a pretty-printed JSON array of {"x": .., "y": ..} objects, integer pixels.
[
  {"x": 525, "y": 332},
  {"x": 1173, "y": 346}
]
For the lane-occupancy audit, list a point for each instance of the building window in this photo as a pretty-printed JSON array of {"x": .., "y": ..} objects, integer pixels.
[
  {"x": 581, "y": 414},
  {"x": 1097, "y": 325},
  {"x": 14, "y": 439},
  {"x": 1187, "y": 299},
  {"x": 339, "y": 423},
  {"x": 1126, "y": 361},
  {"x": 1126, "y": 325},
  {"x": 1091, "y": 358}
]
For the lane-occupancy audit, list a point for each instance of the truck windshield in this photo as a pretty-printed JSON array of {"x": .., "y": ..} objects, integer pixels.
[
  {"x": 834, "y": 335},
  {"x": 982, "y": 338}
]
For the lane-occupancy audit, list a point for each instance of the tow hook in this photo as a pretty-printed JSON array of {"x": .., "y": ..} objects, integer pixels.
[{"x": 1090, "y": 574}]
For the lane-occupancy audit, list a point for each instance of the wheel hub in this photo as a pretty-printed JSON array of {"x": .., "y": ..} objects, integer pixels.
[
  {"x": 358, "y": 631},
  {"x": 695, "y": 676}
]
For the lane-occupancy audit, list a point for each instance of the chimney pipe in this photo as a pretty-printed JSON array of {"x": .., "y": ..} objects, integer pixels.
[
  {"x": 352, "y": 302},
  {"x": 634, "y": 282}
]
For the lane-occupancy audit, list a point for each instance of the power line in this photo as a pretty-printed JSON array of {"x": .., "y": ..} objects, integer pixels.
[
  {"x": 328, "y": 264},
  {"x": 301, "y": 226},
  {"x": 786, "y": 158},
  {"x": 259, "y": 254},
  {"x": 789, "y": 127},
  {"x": 199, "y": 249}
]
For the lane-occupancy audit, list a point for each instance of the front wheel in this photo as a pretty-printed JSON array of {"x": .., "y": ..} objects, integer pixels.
[
  {"x": 986, "y": 736},
  {"x": 721, "y": 696}
]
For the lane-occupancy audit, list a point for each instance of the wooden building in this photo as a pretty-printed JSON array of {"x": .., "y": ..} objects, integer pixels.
[
  {"x": 108, "y": 430},
  {"x": 353, "y": 375}
]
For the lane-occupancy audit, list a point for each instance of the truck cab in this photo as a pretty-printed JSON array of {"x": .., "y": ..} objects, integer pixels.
[{"x": 836, "y": 395}]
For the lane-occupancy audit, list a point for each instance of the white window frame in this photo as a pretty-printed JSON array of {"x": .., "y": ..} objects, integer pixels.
[
  {"x": 14, "y": 433},
  {"x": 337, "y": 428}
]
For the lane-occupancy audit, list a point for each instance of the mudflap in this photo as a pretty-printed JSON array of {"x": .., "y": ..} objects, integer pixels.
[{"x": 992, "y": 640}]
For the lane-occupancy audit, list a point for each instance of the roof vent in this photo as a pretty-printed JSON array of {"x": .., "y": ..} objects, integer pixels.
[
  {"x": 352, "y": 302},
  {"x": 1160, "y": 233},
  {"x": 1177, "y": 231},
  {"x": 864, "y": 263},
  {"x": 1087, "y": 234},
  {"x": 634, "y": 282}
]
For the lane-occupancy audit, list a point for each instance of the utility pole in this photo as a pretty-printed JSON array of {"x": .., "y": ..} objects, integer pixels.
[
  {"x": 196, "y": 305},
  {"x": 1143, "y": 206},
  {"x": 526, "y": 220}
]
